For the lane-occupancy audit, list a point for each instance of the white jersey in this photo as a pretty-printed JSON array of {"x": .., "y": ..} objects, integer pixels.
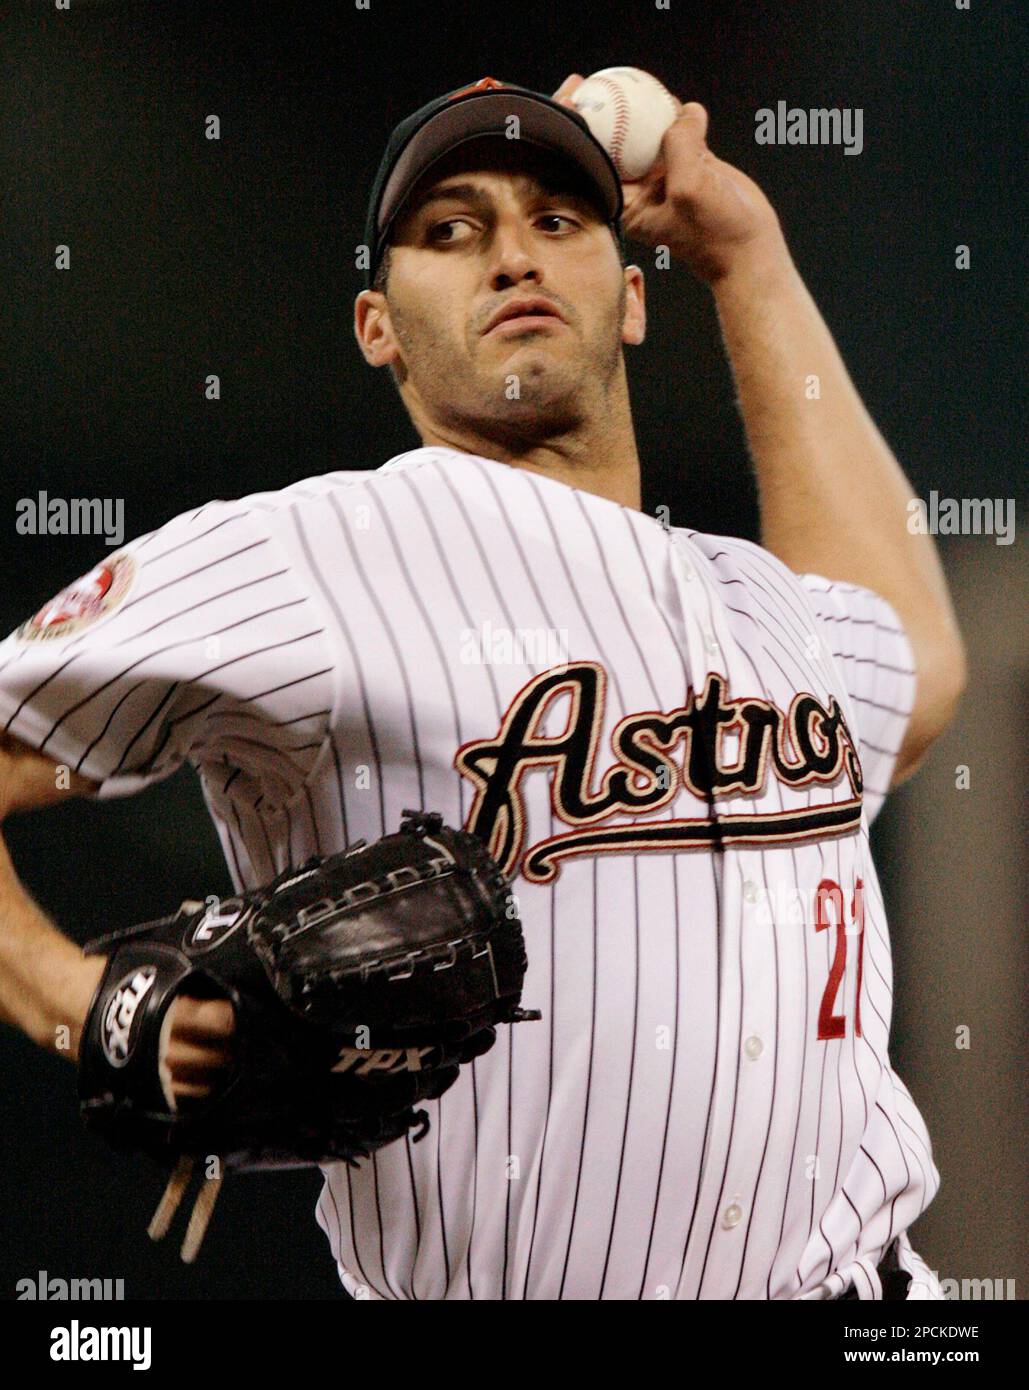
[{"x": 675, "y": 746}]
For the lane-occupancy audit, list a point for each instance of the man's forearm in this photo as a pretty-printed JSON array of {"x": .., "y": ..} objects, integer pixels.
[
  {"x": 833, "y": 498},
  {"x": 46, "y": 983}
]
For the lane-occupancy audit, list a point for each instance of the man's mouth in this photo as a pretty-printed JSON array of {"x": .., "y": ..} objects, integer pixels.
[{"x": 522, "y": 315}]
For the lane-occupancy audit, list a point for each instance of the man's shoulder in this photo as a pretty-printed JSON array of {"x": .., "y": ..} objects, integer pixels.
[
  {"x": 317, "y": 485},
  {"x": 339, "y": 480},
  {"x": 835, "y": 601},
  {"x": 734, "y": 551}
]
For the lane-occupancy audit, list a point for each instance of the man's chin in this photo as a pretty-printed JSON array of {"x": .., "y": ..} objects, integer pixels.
[
  {"x": 534, "y": 380},
  {"x": 534, "y": 417}
]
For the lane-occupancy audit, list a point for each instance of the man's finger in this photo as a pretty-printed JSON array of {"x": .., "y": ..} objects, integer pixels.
[
  {"x": 191, "y": 1090},
  {"x": 567, "y": 87},
  {"x": 642, "y": 199},
  {"x": 198, "y": 1076},
  {"x": 202, "y": 1020},
  {"x": 695, "y": 115},
  {"x": 685, "y": 158},
  {"x": 192, "y": 1056},
  {"x": 684, "y": 140}
]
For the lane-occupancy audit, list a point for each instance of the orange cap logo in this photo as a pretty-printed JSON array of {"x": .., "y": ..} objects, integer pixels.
[{"x": 484, "y": 84}]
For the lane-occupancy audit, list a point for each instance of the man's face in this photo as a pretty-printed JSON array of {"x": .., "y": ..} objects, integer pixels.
[{"x": 492, "y": 224}]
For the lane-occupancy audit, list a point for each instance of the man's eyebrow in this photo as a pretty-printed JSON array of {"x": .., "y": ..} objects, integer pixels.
[
  {"x": 469, "y": 192},
  {"x": 472, "y": 193}
]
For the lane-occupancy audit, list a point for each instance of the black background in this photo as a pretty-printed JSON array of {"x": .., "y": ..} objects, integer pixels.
[{"x": 237, "y": 257}]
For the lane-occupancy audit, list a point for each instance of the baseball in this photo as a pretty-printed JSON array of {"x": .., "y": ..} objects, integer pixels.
[{"x": 628, "y": 111}]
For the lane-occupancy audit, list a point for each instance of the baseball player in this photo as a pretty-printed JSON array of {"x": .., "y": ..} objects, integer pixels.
[{"x": 674, "y": 743}]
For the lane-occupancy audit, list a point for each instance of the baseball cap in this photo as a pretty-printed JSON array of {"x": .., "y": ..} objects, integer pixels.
[{"x": 483, "y": 108}]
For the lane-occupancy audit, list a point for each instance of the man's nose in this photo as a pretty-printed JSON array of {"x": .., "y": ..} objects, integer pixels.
[{"x": 513, "y": 257}]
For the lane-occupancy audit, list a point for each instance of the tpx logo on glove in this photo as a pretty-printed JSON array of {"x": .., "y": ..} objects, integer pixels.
[
  {"x": 122, "y": 1012},
  {"x": 384, "y": 1059}
]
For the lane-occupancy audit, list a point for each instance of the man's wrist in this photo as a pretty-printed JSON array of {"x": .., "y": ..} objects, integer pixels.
[
  {"x": 761, "y": 266},
  {"x": 77, "y": 993}
]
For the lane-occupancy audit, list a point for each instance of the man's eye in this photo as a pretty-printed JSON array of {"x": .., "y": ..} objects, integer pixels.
[
  {"x": 557, "y": 217},
  {"x": 438, "y": 232}
]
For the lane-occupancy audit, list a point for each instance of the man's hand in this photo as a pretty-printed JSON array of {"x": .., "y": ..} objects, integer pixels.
[
  {"x": 198, "y": 1052},
  {"x": 51, "y": 983},
  {"x": 707, "y": 213}
]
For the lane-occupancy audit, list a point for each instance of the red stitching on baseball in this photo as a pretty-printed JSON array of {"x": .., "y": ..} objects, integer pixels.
[{"x": 621, "y": 128}]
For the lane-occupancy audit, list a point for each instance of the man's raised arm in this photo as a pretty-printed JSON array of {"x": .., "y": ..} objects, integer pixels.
[{"x": 834, "y": 500}]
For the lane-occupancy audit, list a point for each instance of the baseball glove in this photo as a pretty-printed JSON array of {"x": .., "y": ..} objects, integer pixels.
[{"x": 360, "y": 983}]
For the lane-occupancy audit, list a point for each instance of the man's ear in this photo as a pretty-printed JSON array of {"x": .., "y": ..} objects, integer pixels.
[
  {"x": 373, "y": 329},
  {"x": 634, "y": 327}
]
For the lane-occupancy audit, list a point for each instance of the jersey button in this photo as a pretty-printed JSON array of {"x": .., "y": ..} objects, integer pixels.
[
  {"x": 750, "y": 890},
  {"x": 753, "y": 1047},
  {"x": 732, "y": 1216}
]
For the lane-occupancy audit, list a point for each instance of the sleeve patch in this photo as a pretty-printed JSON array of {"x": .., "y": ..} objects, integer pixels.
[{"x": 82, "y": 603}]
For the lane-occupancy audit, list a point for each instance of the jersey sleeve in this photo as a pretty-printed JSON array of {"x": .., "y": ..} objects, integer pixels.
[
  {"x": 195, "y": 642},
  {"x": 874, "y": 656}
]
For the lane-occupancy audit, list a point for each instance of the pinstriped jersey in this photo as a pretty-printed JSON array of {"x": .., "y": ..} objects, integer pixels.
[{"x": 674, "y": 745}]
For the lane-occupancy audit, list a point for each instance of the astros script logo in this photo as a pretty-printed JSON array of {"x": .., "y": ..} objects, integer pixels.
[
  {"x": 86, "y": 601},
  {"x": 808, "y": 744}
]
